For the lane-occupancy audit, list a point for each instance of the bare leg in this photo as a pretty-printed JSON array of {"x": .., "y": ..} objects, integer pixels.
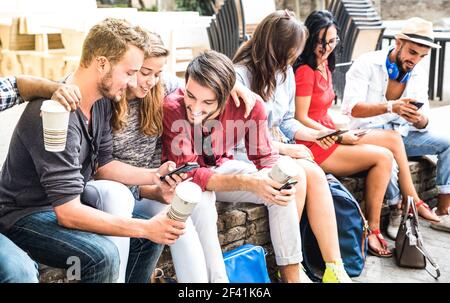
[
  {"x": 350, "y": 159},
  {"x": 301, "y": 189},
  {"x": 443, "y": 205},
  {"x": 289, "y": 273},
  {"x": 320, "y": 208},
  {"x": 392, "y": 140}
]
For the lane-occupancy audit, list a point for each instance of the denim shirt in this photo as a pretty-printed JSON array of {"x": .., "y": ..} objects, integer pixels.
[
  {"x": 280, "y": 108},
  {"x": 367, "y": 81}
]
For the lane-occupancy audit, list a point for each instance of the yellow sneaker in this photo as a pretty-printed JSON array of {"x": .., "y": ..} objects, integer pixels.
[{"x": 335, "y": 273}]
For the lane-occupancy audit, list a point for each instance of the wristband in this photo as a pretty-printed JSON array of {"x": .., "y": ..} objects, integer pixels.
[
  {"x": 136, "y": 192},
  {"x": 389, "y": 107}
]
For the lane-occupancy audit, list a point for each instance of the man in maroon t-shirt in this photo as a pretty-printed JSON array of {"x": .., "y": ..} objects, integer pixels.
[{"x": 201, "y": 125}]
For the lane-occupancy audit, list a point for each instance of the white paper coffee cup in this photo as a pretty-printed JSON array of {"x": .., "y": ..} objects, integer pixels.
[
  {"x": 55, "y": 121},
  {"x": 187, "y": 195},
  {"x": 284, "y": 169}
]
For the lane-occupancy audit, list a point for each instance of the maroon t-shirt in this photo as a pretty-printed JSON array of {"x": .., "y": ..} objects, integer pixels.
[{"x": 182, "y": 142}]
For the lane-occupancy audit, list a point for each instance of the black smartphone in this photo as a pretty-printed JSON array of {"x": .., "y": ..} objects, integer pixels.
[
  {"x": 288, "y": 184},
  {"x": 333, "y": 133},
  {"x": 416, "y": 104},
  {"x": 188, "y": 166}
]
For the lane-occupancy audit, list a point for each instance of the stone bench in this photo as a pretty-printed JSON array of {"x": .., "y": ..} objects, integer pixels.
[{"x": 241, "y": 223}]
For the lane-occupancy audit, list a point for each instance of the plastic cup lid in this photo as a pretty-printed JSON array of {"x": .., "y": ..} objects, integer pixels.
[
  {"x": 189, "y": 192},
  {"x": 52, "y": 106},
  {"x": 288, "y": 166}
]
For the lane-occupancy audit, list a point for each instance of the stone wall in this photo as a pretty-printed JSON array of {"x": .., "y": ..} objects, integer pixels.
[{"x": 242, "y": 223}]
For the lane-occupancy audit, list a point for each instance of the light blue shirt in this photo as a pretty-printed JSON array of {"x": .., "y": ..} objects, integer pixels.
[{"x": 280, "y": 108}]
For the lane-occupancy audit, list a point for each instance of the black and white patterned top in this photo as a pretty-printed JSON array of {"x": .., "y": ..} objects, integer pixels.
[{"x": 135, "y": 148}]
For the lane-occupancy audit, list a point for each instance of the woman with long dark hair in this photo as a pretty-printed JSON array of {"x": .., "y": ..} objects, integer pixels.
[{"x": 264, "y": 64}]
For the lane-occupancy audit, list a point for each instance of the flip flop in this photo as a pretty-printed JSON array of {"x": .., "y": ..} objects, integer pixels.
[{"x": 383, "y": 242}]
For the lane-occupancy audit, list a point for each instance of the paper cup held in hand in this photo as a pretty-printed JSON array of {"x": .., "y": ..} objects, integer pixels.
[
  {"x": 55, "y": 121},
  {"x": 284, "y": 169},
  {"x": 187, "y": 195}
]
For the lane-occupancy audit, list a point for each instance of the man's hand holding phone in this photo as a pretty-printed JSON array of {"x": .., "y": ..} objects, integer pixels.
[
  {"x": 170, "y": 177},
  {"x": 288, "y": 185},
  {"x": 176, "y": 173},
  {"x": 409, "y": 110},
  {"x": 418, "y": 105}
]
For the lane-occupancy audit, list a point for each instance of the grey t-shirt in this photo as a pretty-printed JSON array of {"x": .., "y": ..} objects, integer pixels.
[
  {"x": 135, "y": 148},
  {"x": 33, "y": 179}
]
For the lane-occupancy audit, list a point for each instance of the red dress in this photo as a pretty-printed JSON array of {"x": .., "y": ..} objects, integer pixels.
[{"x": 310, "y": 82}]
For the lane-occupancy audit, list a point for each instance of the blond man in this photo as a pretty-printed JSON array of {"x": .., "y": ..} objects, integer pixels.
[{"x": 41, "y": 207}]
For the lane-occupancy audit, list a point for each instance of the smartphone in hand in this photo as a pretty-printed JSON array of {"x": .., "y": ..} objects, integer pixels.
[
  {"x": 333, "y": 133},
  {"x": 187, "y": 167},
  {"x": 416, "y": 104},
  {"x": 362, "y": 132},
  {"x": 288, "y": 184}
]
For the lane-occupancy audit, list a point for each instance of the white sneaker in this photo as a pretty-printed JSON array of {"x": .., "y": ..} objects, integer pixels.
[
  {"x": 444, "y": 225},
  {"x": 395, "y": 218}
]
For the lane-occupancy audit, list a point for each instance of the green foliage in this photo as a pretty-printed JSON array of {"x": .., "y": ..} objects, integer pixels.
[{"x": 204, "y": 7}]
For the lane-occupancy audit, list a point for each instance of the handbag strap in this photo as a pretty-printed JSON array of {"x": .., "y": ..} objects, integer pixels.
[
  {"x": 425, "y": 253},
  {"x": 419, "y": 245}
]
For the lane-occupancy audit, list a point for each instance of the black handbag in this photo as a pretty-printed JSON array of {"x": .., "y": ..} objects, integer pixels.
[{"x": 409, "y": 248}]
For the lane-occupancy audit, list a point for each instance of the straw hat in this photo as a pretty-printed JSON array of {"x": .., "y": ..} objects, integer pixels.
[{"x": 419, "y": 31}]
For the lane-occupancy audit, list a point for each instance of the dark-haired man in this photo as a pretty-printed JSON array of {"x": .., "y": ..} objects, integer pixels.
[
  {"x": 385, "y": 89},
  {"x": 201, "y": 125}
]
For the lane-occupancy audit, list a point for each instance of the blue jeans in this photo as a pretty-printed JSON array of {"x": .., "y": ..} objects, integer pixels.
[
  {"x": 15, "y": 265},
  {"x": 197, "y": 255},
  {"x": 421, "y": 144},
  {"x": 98, "y": 258}
]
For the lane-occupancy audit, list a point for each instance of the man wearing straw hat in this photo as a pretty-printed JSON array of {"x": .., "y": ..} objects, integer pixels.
[{"x": 385, "y": 89}]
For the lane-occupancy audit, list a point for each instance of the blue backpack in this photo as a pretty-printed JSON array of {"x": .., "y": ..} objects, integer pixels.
[
  {"x": 246, "y": 264},
  {"x": 352, "y": 231}
]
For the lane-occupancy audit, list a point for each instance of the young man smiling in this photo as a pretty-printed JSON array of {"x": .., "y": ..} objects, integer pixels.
[
  {"x": 381, "y": 88},
  {"x": 201, "y": 125}
]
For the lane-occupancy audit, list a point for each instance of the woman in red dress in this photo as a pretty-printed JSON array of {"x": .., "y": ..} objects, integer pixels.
[
  {"x": 314, "y": 95},
  {"x": 311, "y": 83}
]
